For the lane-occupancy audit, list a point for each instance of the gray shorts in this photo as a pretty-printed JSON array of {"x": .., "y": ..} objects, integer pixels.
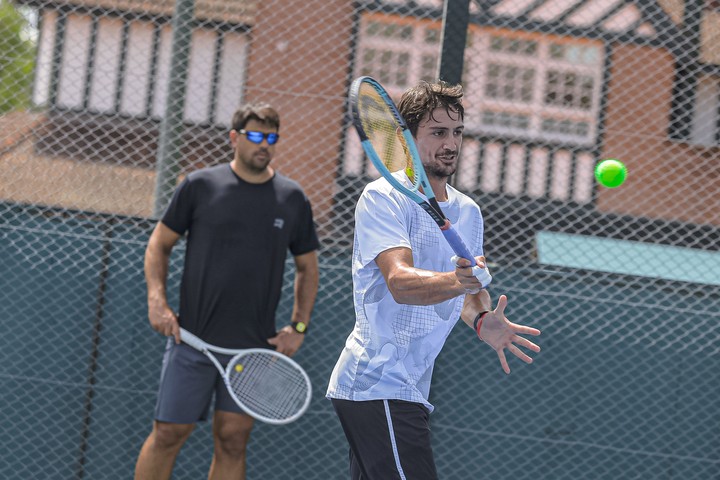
[{"x": 188, "y": 382}]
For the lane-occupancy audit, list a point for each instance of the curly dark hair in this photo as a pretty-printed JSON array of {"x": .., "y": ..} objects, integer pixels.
[{"x": 425, "y": 97}]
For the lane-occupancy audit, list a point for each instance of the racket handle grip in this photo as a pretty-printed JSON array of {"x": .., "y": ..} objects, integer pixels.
[
  {"x": 457, "y": 244},
  {"x": 459, "y": 247},
  {"x": 191, "y": 339}
]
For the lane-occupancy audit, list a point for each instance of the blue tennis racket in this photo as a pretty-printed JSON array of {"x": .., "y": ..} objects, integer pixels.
[{"x": 389, "y": 145}]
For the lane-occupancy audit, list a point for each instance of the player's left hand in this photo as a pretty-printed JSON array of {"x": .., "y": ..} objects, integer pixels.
[
  {"x": 287, "y": 341},
  {"x": 500, "y": 333}
]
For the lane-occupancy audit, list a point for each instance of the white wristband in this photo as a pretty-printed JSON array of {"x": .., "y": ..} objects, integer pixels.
[{"x": 482, "y": 274}]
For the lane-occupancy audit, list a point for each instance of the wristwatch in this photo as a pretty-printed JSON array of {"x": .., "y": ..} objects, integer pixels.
[{"x": 299, "y": 327}]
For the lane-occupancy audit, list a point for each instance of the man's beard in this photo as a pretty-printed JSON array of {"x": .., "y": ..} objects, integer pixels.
[
  {"x": 256, "y": 164},
  {"x": 440, "y": 170}
]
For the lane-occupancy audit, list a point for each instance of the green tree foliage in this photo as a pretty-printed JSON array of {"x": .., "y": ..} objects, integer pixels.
[{"x": 17, "y": 56}]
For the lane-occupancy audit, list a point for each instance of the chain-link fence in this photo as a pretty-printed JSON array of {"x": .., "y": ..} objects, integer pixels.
[{"x": 105, "y": 104}]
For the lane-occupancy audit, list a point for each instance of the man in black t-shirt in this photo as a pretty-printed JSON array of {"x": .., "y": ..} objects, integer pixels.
[{"x": 240, "y": 219}]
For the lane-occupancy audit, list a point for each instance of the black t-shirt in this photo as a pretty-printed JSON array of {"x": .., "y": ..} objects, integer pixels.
[{"x": 238, "y": 237}]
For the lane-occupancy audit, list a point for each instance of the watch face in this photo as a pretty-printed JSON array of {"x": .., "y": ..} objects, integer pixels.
[{"x": 300, "y": 327}]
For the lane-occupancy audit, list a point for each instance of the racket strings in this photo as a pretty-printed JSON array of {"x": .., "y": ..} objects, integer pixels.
[
  {"x": 268, "y": 384},
  {"x": 384, "y": 132}
]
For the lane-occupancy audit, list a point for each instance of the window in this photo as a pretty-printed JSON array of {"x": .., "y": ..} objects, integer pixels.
[
  {"x": 568, "y": 89},
  {"x": 95, "y": 80},
  {"x": 523, "y": 91},
  {"x": 398, "y": 53},
  {"x": 517, "y": 84},
  {"x": 533, "y": 87},
  {"x": 509, "y": 82},
  {"x": 706, "y": 116}
]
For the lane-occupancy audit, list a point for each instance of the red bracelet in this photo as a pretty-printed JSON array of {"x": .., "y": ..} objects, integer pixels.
[{"x": 477, "y": 323}]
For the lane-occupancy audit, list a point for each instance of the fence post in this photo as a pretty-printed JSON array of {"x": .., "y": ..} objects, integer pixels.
[
  {"x": 171, "y": 127},
  {"x": 456, "y": 15}
]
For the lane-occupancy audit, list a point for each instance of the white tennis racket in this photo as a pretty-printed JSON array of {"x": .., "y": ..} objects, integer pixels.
[{"x": 267, "y": 385}]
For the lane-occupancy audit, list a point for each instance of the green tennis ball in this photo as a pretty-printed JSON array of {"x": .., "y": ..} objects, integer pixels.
[
  {"x": 610, "y": 173},
  {"x": 410, "y": 173}
]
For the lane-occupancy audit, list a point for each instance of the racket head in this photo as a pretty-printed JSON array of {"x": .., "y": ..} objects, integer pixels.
[
  {"x": 383, "y": 132},
  {"x": 268, "y": 385},
  {"x": 389, "y": 144}
]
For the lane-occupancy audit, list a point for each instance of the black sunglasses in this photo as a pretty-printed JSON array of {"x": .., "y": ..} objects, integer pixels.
[{"x": 258, "y": 137}]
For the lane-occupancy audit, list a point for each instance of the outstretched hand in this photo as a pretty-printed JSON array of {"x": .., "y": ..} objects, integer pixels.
[{"x": 500, "y": 333}]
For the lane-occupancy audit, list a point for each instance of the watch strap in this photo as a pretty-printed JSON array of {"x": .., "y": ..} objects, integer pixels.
[
  {"x": 477, "y": 323},
  {"x": 300, "y": 327}
]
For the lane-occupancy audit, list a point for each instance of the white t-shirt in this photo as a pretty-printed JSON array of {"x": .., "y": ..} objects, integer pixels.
[{"x": 392, "y": 349}]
